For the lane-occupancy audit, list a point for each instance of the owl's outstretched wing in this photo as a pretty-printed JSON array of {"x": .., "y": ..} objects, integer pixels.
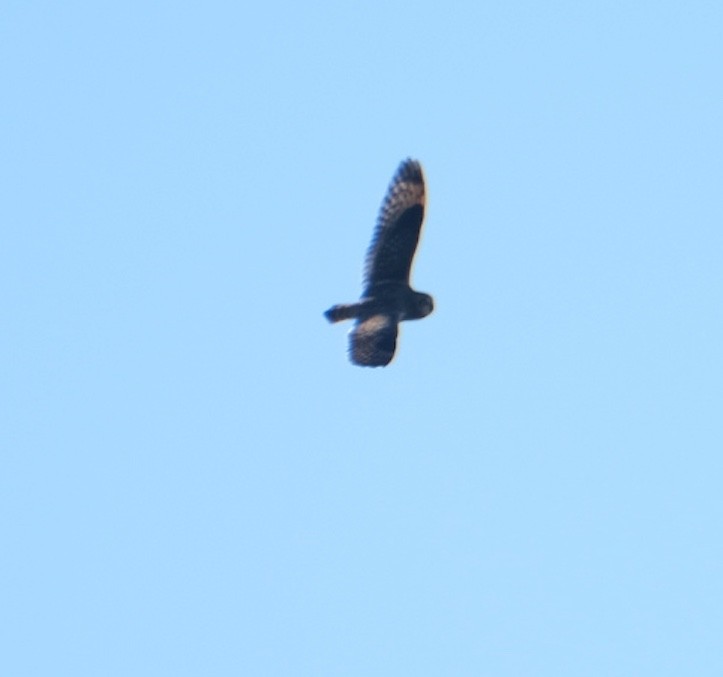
[
  {"x": 395, "y": 238},
  {"x": 372, "y": 341}
]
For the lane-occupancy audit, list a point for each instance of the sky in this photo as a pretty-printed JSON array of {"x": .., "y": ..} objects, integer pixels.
[{"x": 194, "y": 480}]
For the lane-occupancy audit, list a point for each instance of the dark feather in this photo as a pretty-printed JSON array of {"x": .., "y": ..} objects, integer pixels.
[
  {"x": 396, "y": 235},
  {"x": 373, "y": 341}
]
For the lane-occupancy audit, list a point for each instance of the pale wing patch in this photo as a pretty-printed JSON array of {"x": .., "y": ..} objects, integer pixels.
[{"x": 373, "y": 341}]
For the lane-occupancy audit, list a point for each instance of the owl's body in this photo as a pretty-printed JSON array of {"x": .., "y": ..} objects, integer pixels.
[{"x": 388, "y": 299}]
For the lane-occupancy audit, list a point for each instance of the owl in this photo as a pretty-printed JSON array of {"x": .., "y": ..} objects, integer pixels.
[{"x": 388, "y": 298}]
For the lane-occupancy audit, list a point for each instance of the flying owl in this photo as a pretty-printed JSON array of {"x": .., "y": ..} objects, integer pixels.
[{"x": 388, "y": 298}]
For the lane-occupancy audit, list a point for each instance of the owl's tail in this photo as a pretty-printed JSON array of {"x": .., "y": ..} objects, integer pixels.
[{"x": 342, "y": 311}]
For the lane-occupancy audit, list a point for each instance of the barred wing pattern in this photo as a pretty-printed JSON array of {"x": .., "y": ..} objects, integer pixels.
[
  {"x": 373, "y": 341},
  {"x": 395, "y": 238}
]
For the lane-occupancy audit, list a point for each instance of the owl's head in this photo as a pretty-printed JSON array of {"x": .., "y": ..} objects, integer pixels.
[{"x": 424, "y": 305}]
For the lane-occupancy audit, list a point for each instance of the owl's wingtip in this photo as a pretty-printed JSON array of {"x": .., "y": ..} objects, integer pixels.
[{"x": 410, "y": 170}]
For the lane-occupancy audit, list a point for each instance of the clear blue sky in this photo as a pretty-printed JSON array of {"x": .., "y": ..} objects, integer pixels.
[{"x": 195, "y": 481}]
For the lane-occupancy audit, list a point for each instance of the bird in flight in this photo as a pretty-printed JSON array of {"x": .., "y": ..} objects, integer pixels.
[{"x": 388, "y": 299}]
